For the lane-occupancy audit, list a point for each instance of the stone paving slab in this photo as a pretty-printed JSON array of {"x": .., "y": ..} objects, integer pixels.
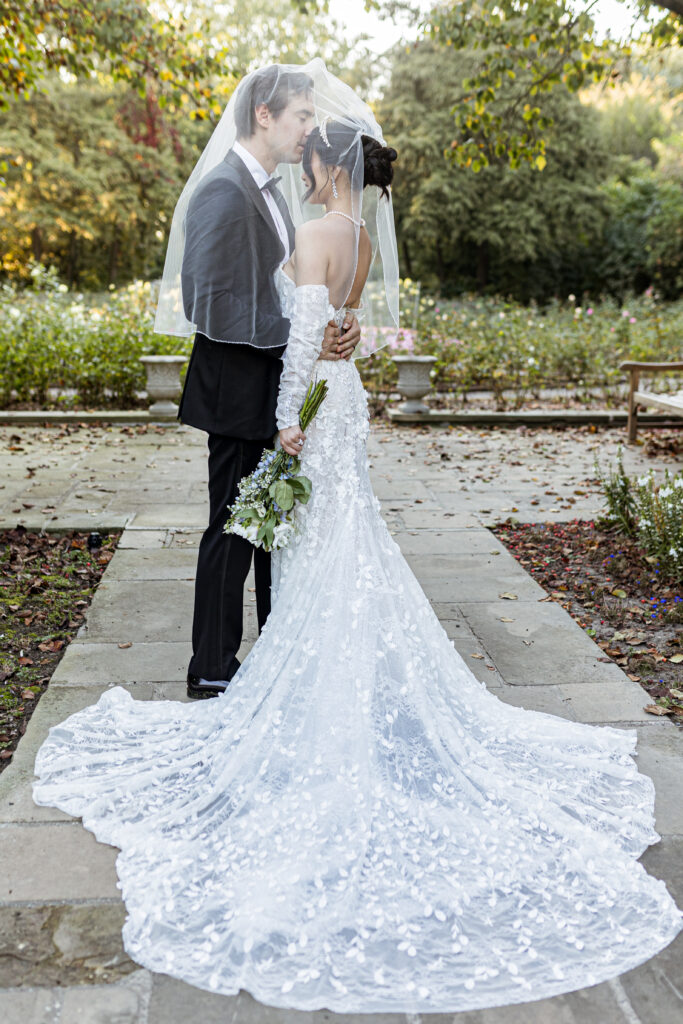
[
  {"x": 96, "y": 663},
  {"x": 659, "y": 756},
  {"x": 542, "y": 645},
  {"x": 137, "y": 539},
  {"x": 54, "y": 861},
  {"x": 154, "y": 564},
  {"x": 140, "y": 610},
  {"x": 446, "y": 542}
]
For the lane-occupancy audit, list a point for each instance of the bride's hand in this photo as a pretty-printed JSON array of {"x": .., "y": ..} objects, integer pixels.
[{"x": 292, "y": 440}]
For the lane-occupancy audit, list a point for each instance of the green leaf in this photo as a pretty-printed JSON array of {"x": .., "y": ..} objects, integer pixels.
[{"x": 284, "y": 494}]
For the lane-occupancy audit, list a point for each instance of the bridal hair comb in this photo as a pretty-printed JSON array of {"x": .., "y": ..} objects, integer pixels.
[{"x": 323, "y": 131}]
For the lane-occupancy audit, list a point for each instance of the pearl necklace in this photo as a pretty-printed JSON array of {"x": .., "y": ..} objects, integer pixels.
[{"x": 339, "y": 213}]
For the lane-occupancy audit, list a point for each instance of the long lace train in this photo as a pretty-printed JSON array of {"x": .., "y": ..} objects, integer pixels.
[{"x": 357, "y": 823}]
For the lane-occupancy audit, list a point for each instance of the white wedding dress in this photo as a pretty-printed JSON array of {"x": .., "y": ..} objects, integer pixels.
[{"x": 356, "y": 823}]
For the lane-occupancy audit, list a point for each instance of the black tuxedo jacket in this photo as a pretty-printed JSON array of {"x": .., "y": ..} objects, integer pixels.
[{"x": 232, "y": 250}]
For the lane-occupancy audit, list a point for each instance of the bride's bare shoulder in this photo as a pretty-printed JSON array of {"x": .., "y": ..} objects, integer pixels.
[{"x": 313, "y": 231}]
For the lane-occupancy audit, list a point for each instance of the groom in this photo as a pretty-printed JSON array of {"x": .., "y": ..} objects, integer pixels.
[{"x": 238, "y": 231}]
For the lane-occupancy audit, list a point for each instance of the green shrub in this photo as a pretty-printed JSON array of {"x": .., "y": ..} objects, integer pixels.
[
  {"x": 660, "y": 519},
  {"x": 621, "y": 501},
  {"x": 653, "y": 512},
  {"x": 90, "y": 344}
]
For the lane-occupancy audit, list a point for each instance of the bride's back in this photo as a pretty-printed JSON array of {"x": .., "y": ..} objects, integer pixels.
[{"x": 329, "y": 252}]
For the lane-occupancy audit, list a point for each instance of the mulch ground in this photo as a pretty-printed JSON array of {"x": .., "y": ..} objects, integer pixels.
[
  {"x": 617, "y": 594},
  {"x": 46, "y": 584}
]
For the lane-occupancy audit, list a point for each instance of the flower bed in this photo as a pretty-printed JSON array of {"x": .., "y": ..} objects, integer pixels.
[{"x": 88, "y": 346}]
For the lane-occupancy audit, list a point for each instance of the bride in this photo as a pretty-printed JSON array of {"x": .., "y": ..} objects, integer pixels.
[{"x": 356, "y": 823}]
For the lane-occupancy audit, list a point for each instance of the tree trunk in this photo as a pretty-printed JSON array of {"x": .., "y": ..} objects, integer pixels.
[
  {"x": 72, "y": 266},
  {"x": 482, "y": 264},
  {"x": 441, "y": 266},
  {"x": 406, "y": 258},
  {"x": 37, "y": 244},
  {"x": 113, "y": 257}
]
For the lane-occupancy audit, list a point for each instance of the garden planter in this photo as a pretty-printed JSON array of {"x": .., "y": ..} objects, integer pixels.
[
  {"x": 414, "y": 381},
  {"x": 163, "y": 384}
]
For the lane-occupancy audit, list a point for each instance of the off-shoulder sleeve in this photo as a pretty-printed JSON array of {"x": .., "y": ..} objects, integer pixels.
[{"x": 312, "y": 310}]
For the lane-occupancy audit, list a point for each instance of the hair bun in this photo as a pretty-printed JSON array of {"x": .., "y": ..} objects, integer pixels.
[{"x": 378, "y": 160}]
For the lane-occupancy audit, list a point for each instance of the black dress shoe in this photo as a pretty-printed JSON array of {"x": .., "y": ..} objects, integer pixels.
[{"x": 199, "y": 690}]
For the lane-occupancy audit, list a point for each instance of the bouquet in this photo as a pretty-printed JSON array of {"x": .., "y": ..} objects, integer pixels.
[{"x": 263, "y": 509}]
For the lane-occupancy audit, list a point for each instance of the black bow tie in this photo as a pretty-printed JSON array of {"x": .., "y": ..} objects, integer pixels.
[{"x": 270, "y": 184}]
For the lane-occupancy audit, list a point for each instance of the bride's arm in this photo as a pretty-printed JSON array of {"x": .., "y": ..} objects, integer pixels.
[{"x": 310, "y": 315}]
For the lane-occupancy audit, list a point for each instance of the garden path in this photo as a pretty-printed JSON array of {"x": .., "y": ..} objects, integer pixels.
[{"x": 60, "y": 914}]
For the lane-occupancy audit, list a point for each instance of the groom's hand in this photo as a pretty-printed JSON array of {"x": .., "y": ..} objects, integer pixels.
[
  {"x": 331, "y": 342},
  {"x": 349, "y": 339}
]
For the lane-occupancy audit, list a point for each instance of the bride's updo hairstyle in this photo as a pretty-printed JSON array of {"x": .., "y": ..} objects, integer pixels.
[{"x": 337, "y": 149}]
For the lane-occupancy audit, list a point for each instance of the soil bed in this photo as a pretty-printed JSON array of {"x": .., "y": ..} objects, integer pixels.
[
  {"x": 607, "y": 583},
  {"x": 46, "y": 585}
]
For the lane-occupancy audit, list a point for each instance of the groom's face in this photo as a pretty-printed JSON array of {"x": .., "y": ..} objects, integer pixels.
[{"x": 287, "y": 133}]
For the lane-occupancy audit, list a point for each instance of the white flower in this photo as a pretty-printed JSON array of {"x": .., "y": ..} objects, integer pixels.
[
  {"x": 282, "y": 534},
  {"x": 14, "y": 312}
]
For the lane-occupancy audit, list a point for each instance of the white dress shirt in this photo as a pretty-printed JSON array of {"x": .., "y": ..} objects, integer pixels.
[{"x": 261, "y": 176}]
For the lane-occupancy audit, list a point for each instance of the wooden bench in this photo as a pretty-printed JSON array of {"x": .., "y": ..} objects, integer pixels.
[{"x": 669, "y": 403}]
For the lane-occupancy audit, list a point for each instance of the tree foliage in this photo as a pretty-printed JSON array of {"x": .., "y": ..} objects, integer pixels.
[
  {"x": 119, "y": 37},
  {"x": 93, "y": 175},
  {"x": 94, "y": 164},
  {"x": 513, "y": 231},
  {"x": 525, "y": 48}
]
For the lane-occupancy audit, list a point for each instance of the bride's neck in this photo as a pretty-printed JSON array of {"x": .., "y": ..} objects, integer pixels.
[{"x": 340, "y": 205}]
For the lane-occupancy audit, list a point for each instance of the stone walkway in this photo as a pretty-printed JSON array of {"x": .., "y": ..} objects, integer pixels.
[{"x": 60, "y": 913}]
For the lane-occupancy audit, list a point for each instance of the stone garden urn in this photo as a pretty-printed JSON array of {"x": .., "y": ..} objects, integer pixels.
[
  {"x": 163, "y": 384},
  {"x": 414, "y": 381}
]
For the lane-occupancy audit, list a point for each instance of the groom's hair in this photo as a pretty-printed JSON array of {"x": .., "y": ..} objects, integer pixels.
[{"x": 271, "y": 86}]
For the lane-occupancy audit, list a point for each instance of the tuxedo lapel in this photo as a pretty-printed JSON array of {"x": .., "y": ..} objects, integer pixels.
[
  {"x": 286, "y": 216},
  {"x": 254, "y": 194}
]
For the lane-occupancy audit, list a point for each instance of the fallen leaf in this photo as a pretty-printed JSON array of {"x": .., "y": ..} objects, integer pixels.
[
  {"x": 657, "y": 709},
  {"x": 479, "y": 656},
  {"x": 126, "y": 645},
  {"x": 28, "y": 695},
  {"x": 504, "y": 618},
  {"x": 677, "y": 659},
  {"x": 677, "y": 693},
  {"x": 507, "y": 596},
  {"x": 619, "y": 593}
]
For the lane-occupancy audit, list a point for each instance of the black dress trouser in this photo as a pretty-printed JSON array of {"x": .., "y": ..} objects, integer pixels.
[{"x": 223, "y": 564}]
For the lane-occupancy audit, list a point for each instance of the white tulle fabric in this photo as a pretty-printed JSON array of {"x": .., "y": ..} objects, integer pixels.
[{"x": 357, "y": 823}]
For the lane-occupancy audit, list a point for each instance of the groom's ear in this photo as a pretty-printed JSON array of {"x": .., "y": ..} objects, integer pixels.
[{"x": 262, "y": 115}]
